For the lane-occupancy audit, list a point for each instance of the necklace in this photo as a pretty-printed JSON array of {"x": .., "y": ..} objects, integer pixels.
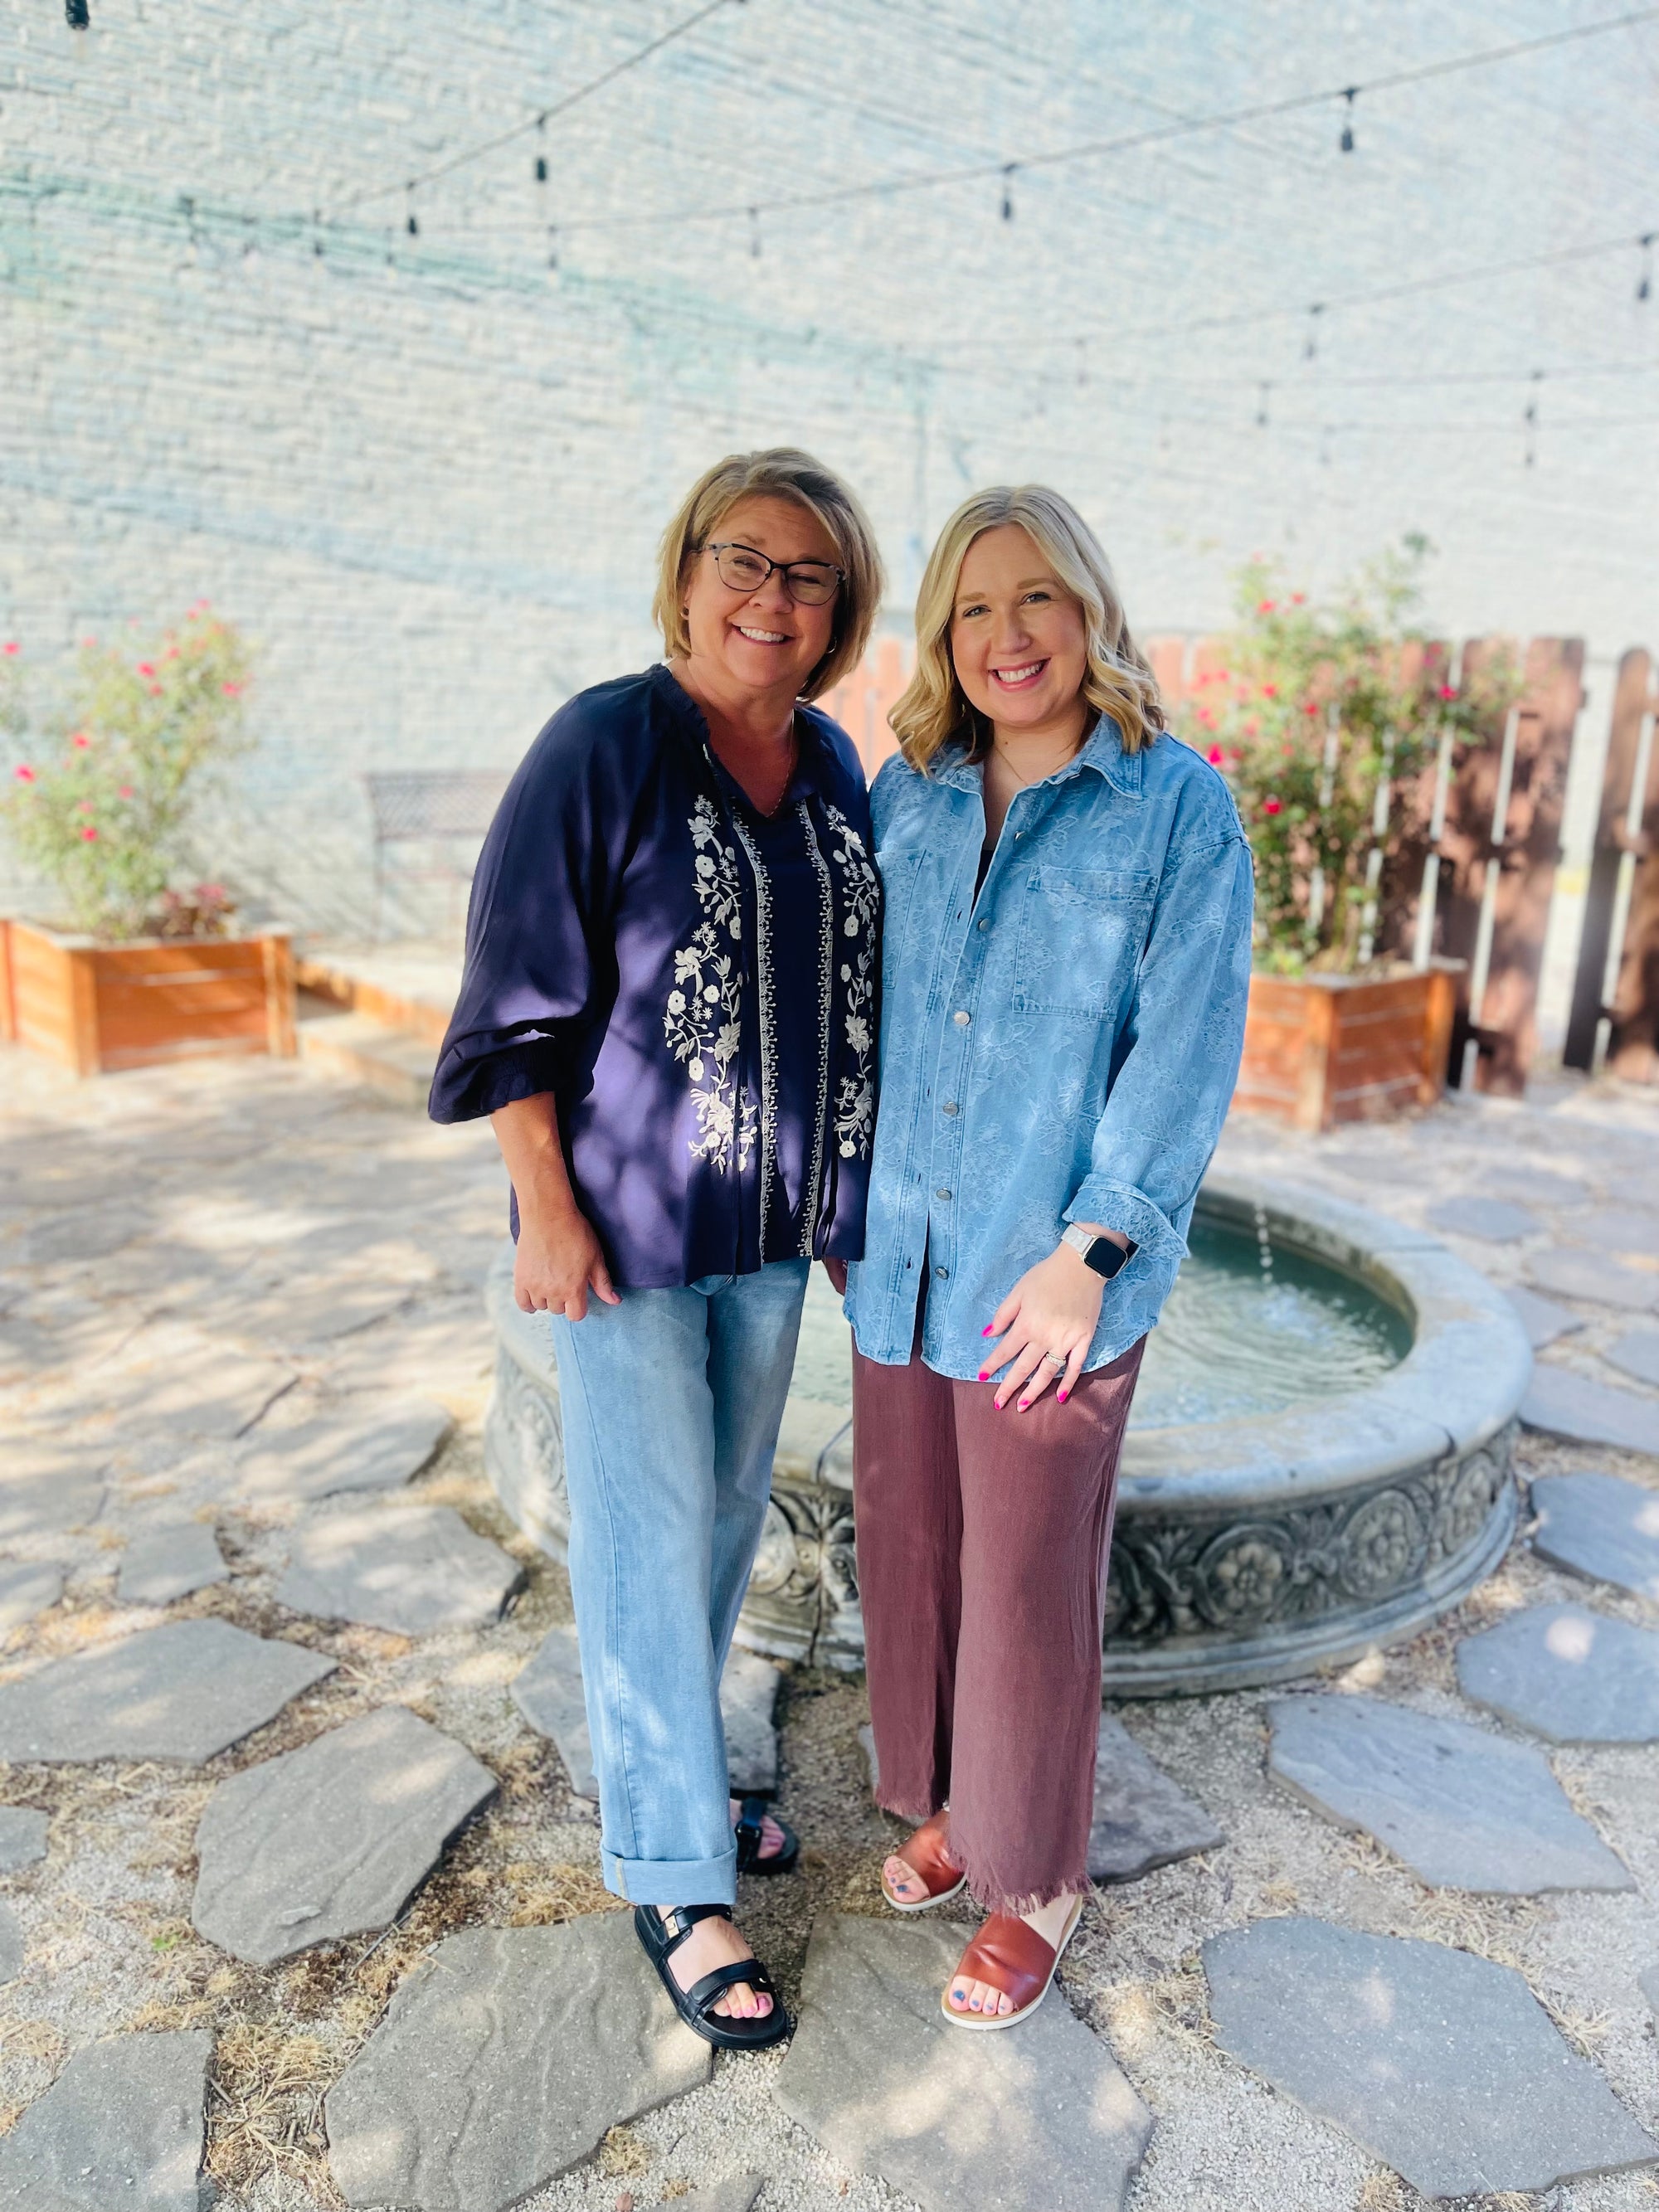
[{"x": 1026, "y": 782}]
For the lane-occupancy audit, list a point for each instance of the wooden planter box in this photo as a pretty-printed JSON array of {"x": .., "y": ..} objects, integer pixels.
[
  {"x": 1321, "y": 1050},
  {"x": 97, "y": 1007}
]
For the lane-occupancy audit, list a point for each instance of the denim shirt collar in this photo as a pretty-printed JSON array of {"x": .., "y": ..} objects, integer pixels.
[{"x": 1102, "y": 750}]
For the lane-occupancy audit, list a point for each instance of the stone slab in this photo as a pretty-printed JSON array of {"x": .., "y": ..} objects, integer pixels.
[
  {"x": 1542, "y": 1319},
  {"x": 1572, "y": 1272},
  {"x": 172, "y": 1380},
  {"x": 1564, "y": 1404},
  {"x": 332, "y": 1839},
  {"x": 1495, "y": 1220},
  {"x": 47, "y": 1503},
  {"x": 1541, "y": 1185},
  {"x": 1601, "y": 1526},
  {"x": 22, "y": 1838},
  {"x": 1142, "y": 1820},
  {"x": 1638, "y": 1353},
  {"x": 122, "y": 2124},
  {"x": 504, "y": 2057},
  {"x": 67, "y": 1239},
  {"x": 1620, "y": 1229},
  {"x": 748, "y": 1699},
  {"x": 335, "y": 1452},
  {"x": 415, "y": 1569},
  {"x": 1039, "y": 2116},
  {"x": 736, "y": 2195},
  {"x": 12, "y": 1946},
  {"x": 1649, "y": 1984},
  {"x": 548, "y": 1692},
  {"x": 1566, "y": 1673},
  {"x": 170, "y": 1562},
  {"x": 1464, "y": 1809},
  {"x": 184, "y": 1691},
  {"x": 26, "y": 1591},
  {"x": 1440, "y": 2063}
]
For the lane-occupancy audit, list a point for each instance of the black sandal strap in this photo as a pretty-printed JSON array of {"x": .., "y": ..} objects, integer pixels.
[
  {"x": 702, "y": 1993},
  {"x": 676, "y": 1922}
]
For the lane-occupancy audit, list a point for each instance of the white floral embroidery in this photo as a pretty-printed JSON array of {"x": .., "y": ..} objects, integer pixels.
[
  {"x": 826, "y": 992},
  {"x": 855, "y": 1095},
  {"x": 704, "y": 1019}
]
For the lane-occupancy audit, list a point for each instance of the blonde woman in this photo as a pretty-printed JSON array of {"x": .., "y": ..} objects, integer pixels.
[
  {"x": 667, "y": 1012},
  {"x": 1066, "y": 959}
]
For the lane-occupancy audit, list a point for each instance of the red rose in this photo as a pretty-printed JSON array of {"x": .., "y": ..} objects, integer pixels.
[
  {"x": 23, "y": 773},
  {"x": 1216, "y": 756},
  {"x": 145, "y": 668},
  {"x": 1270, "y": 806},
  {"x": 1447, "y": 692},
  {"x": 80, "y": 741},
  {"x": 89, "y": 834},
  {"x": 10, "y": 645},
  {"x": 1264, "y": 606}
]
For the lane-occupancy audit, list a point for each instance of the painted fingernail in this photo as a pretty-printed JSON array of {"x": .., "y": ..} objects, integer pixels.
[
  {"x": 1064, "y": 1395},
  {"x": 985, "y": 1331},
  {"x": 1024, "y": 1403},
  {"x": 984, "y": 1373},
  {"x": 958, "y": 1996}
]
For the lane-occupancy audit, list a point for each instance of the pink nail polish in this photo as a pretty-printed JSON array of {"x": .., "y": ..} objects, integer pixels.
[
  {"x": 1024, "y": 1403},
  {"x": 984, "y": 1373},
  {"x": 1064, "y": 1395}
]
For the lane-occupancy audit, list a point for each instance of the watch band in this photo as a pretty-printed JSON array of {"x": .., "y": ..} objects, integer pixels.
[{"x": 1100, "y": 1253}]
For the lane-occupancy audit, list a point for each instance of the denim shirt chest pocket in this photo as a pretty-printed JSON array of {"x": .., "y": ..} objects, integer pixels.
[{"x": 1081, "y": 934}]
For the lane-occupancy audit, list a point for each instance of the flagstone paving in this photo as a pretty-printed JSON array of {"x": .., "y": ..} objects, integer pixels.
[
  {"x": 170, "y": 1563},
  {"x": 412, "y": 1568},
  {"x": 1566, "y": 1673},
  {"x": 379, "y": 1450},
  {"x": 1042, "y": 2114},
  {"x": 292, "y": 1263},
  {"x": 122, "y": 2124},
  {"x": 22, "y": 1838},
  {"x": 1586, "y": 1412},
  {"x": 26, "y": 1590},
  {"x": 184, "y": 1691},
  {"x": 331, "y": 1840},
  {"x": 1443, "y": 2065},
  {"x": 1464, "y": 1809},
  {"x": 503, "y": 2059},
  {"x": 1496, "y": 1220},
  {"x": 1601, "y": 1526},
  {"x": 12, "y": 1946},
  {"x": 1638, "y": 1353}
]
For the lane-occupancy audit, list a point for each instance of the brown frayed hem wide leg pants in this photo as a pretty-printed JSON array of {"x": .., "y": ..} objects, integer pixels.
[{"x": 983, "y": 1539}]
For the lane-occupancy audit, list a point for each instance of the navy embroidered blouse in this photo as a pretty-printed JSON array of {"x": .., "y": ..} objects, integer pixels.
[{"x": 693, "y": 979}]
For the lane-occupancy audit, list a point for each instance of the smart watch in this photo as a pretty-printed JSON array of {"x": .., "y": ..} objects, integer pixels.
[{"x": 1099, "y": 1253}]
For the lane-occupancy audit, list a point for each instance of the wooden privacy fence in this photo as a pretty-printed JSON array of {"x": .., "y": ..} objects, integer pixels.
[{"x": 1472, "y": 873}]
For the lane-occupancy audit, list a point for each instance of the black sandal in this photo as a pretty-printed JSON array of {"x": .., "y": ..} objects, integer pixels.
[
  {"x": 661, "y": 1931},
  {"x": 750, "y": 1833}
]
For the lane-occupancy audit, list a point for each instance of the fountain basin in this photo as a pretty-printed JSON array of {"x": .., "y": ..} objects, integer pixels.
[{"x": 1251, "y": 1547}]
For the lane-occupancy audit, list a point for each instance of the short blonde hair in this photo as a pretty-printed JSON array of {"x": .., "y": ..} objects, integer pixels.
[
  {"x": 1118, "y": 679},
  {"x": 777, "y": 472}
]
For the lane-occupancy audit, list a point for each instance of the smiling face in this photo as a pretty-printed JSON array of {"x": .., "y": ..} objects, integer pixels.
[
  {"x": 760, "y": 640},
  {"x": 1019, "y": 640}
]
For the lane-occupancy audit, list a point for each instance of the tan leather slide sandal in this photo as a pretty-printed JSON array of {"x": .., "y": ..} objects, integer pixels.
[
  {"x": 1012, "y": 1957},
  {"x": 925, "y": 1856}
]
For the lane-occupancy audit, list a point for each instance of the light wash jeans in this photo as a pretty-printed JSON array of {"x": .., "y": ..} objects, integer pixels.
[{"x": 673, "y": 1401}]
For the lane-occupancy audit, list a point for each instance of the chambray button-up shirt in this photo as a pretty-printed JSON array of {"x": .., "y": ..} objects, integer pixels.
[{"x": 1062, "y": 1047}]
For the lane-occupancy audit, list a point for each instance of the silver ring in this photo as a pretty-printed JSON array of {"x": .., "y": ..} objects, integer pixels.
[{"x": 1054, "y": 1359}]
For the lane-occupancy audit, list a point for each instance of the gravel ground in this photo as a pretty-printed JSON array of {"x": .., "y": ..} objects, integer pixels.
[{"x": 213, "y": 1181}]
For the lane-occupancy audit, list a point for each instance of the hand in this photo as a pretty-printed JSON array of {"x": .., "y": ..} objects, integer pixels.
[
  {"x": 559, "y": 1260},
  {"x": 1053, "y": 1307},
  {"x": 837, "y": 1271}
]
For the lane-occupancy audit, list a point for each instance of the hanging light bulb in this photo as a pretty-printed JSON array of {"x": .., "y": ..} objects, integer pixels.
[
  {"x": 1310, "y": 344},
  {"x": 1347, "y": 140},
  {"x": 541, "y": 158},
  {"x": 1645, "y": 282},
  {"x": 1008, "y": 192},
  {"x": 410, "y": 222},
  {"x": 553, "y": 248},
  {"x": 76, "y": 15},
  {"x": 754, "y": 234},
  {"x": 1529, "y": 417},
  {"x": 317, "y": 234},
  {"x": 1262, "y": 407}
]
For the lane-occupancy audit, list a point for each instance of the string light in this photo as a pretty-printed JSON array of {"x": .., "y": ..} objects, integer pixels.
[
  {"x": 1310, "y": 344},
  {"x": 553, "y": 248},
  {"x": 1008, "y": 192},
  {"x": 76, "y": 15},
  {"x": 1530, "y": 418},
  {"x": 1645, "y": 282},
  {"x": 1261, "y": 406},
  {"x": 411, "y": 221},
  {"x": 1346, "y": 139}
]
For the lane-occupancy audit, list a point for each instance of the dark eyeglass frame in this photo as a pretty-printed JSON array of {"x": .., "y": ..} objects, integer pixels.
[{"x": 784, "y": 568}]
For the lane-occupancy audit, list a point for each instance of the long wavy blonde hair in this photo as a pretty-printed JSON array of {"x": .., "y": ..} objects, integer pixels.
[
  {"x": 778, "y": 472},
  {"x": 1117, "y": 680}
]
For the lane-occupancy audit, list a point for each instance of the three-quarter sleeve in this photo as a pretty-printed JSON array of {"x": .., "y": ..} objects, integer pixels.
[
  {"x": 1179, "y": 1052},
  {"x": 540, "y": 897}
]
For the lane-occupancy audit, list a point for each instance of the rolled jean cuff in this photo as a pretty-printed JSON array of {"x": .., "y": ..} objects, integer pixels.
[{"x": 672, "y": 1881}]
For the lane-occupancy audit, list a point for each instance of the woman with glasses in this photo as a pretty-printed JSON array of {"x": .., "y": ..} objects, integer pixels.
[
  {"x": 1065, "y": 960},
  {"x": 668, "y": 1012}
]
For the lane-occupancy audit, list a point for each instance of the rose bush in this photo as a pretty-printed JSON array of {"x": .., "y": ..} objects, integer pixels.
[
  {"x": 1317, "y": 716},
  {"x": 101, "y": 806}
]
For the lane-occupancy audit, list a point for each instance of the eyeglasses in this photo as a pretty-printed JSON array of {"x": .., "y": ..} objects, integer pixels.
[{"x": 808, "y": 583}]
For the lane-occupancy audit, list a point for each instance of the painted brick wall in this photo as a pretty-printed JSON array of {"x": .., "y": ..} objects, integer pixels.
[{"x": 428, "y": 473}]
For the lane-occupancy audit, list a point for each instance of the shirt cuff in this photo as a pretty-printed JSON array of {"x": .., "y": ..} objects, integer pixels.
[
  {"x": 1120, "y": 1206},
  {"x": 467, "y": 1091}
]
